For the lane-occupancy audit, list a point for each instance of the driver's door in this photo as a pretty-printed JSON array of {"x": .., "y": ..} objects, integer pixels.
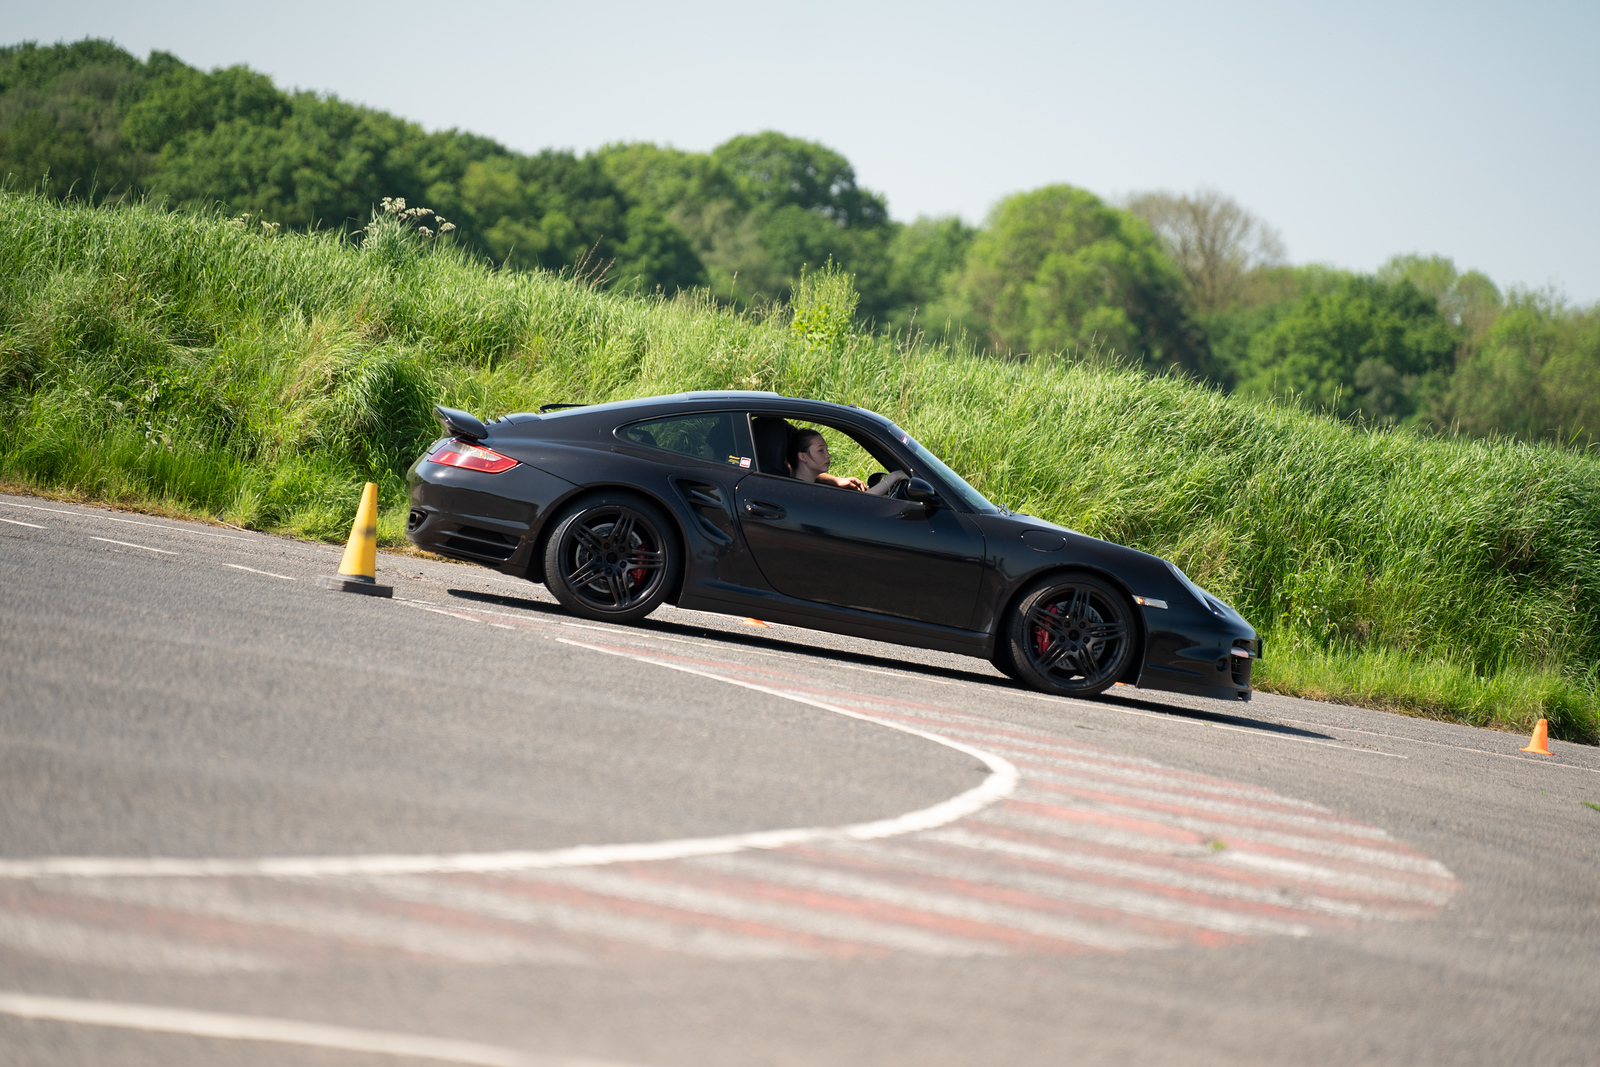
[{"x": 846, "y": 548}]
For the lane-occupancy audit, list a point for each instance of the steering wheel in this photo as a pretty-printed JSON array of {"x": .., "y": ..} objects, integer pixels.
[{"x": 896, "y": 492}]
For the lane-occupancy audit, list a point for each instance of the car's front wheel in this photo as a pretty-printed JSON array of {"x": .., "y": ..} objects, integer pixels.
[
  {"x": 1071, "y": 634},
  {"x": 612, "y": 557}
]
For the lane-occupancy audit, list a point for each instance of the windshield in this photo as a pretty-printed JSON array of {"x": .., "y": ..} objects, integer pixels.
[{"x": 969, "y": 496}]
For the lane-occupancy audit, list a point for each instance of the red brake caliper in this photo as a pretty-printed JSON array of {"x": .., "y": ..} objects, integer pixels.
[
  {"x": 638, "y": 573},
  {"x": 1041, "y": 636}
]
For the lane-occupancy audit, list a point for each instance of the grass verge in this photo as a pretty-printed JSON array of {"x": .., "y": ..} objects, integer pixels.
[{"x": 182, "y": 363}]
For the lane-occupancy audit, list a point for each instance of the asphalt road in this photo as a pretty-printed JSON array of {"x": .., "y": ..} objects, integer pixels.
[{"x": 246, "y": 820}]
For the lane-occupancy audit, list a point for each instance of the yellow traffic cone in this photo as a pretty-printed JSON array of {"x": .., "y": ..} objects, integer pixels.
[
  {"x": 1540, "y": 741},
  {"x": 358, "y": 568}
]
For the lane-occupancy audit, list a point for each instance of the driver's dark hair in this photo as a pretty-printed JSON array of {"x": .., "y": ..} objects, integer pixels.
[{"x": 799, "y": 440}]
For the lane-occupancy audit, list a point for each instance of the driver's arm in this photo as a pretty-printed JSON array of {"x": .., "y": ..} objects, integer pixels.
[
  {"x": 888, "y": 482},
  {"x": 841, "y": 483}
]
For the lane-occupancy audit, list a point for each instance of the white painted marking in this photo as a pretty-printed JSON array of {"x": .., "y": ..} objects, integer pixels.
[
  {"x": 1148, "y": 873},
  {"x": 1459, "y": 748},
  {"x": 846, "y": 883},
  {"x": 1239, "y": 835},
  {"x": 1112, "y": 898},
  {"x": 1176, "y": 718},
  {"x": 590, "y": 921},
  {"x": 252, "y": 570},
  {"x": 1311, "y": 872},
  {"x": 894, "y": 674},
  {"x": 810, "y": 920},
  {"x": 35, "y": 507},
  {"x": 1192, "y": 803},
  {"x": 1001, "y": 782},
  {"x": 279, "y": 1031},
  {"x": 224, "y": 901},
  {"x": 29, "y": 525},
  {"x": 130, "y": 544},
  {"x": 93, "y": 514},
  {"x": 101, "y": 946}
]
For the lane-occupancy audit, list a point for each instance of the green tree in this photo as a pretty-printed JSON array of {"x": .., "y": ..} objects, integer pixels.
[
  {"x": 925, "y": 259},
  {"x": 1215, "y": 242},
  {"x": 760, "y": 209},
  {"x": 806, "y": 209},
  {"x": 1535, "y": 374},
  {"x": 1364, "y": 346},
  {"x": 1467, "y": 299},
  {"x": 60, "y": 116},
  {"x": 1058, "y": 270},
  {"x": 696, "y": 194}
]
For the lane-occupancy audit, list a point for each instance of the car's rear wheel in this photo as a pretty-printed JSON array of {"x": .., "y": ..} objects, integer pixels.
[
  {"x": 612, "y": 557},
  {"x": 1072, "y": 635}
]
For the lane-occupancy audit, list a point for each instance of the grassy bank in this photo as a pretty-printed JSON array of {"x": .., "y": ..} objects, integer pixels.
[{"x": 260, "y": 379}]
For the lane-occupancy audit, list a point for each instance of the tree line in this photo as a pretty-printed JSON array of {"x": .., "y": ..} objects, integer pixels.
[{"x": 1186, "y": 282}]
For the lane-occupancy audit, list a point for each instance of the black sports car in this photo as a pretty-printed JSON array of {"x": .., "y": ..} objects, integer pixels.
[{"x": 690, "y": 499}]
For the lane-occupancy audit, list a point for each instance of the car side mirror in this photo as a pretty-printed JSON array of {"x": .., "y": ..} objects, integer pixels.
[{"x": 920, "y": 492}]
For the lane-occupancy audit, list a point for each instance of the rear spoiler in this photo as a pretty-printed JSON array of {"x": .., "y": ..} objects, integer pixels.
[{"x": 459, "y": 423}]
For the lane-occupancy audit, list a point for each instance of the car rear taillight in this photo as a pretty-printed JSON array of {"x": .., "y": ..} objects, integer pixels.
[{"x": 457, "y": 453}]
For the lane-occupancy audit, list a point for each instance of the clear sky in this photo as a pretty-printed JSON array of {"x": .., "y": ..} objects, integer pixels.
[{"x": 1358, "y": 129}]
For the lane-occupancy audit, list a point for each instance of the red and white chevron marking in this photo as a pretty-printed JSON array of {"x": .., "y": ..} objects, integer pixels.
[{"x": 1093, "y": 852}]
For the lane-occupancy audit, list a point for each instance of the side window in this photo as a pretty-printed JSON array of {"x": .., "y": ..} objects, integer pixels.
[{"x": 709, "y": 437}]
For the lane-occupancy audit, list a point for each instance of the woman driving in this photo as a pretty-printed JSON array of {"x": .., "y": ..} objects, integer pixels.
[{"x": 809, "y": 459}]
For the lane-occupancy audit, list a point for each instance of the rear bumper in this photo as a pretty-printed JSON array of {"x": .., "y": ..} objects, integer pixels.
[{"x": 492, "y": 519}]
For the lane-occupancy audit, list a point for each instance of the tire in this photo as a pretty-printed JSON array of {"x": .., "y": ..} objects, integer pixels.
[
  {"x": 1001, "y": 660},
  {"x": 597, "y": 576},
  {"x": 1071, "y": 634}
]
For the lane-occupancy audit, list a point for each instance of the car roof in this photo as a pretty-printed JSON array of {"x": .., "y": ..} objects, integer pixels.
[{"x": 645, "y": 407}]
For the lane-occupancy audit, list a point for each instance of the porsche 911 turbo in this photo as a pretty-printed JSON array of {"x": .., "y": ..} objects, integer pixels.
[{"x": 690, "y": 500}]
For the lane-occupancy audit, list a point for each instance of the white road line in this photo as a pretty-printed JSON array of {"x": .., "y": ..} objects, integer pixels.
[
  {"x": 29, "y": 525},
  {"x": 1000, "y": 783},
  {"x": 101, "y": 946},
  {"x": 130, "y": 544},
  {"x": 280, "y": 1031},
  {"x": 128, "y": 522},
  {"x": 252, "y": 570}
]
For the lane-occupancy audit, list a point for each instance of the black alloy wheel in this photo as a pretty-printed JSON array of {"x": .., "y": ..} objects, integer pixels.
[
  {"x": 612, "y": 557},
  {"x": 1071, "y": 634}
]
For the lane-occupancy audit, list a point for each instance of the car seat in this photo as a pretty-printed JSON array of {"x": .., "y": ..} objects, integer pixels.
[{"x": 772, "y": 438}]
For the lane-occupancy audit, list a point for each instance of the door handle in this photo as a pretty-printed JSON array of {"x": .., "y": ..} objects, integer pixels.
[{"x": 760, "y": 509}]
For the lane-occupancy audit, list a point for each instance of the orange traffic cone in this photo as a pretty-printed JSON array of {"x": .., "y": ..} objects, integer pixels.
[
  {"x": 358, "y": 568},
  {"x": 758, "y": 622},
  {"x": 1540, "y": 742}
]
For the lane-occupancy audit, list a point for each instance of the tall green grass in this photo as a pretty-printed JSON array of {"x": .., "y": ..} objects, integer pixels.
[{"x": 200, "y": 365}]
